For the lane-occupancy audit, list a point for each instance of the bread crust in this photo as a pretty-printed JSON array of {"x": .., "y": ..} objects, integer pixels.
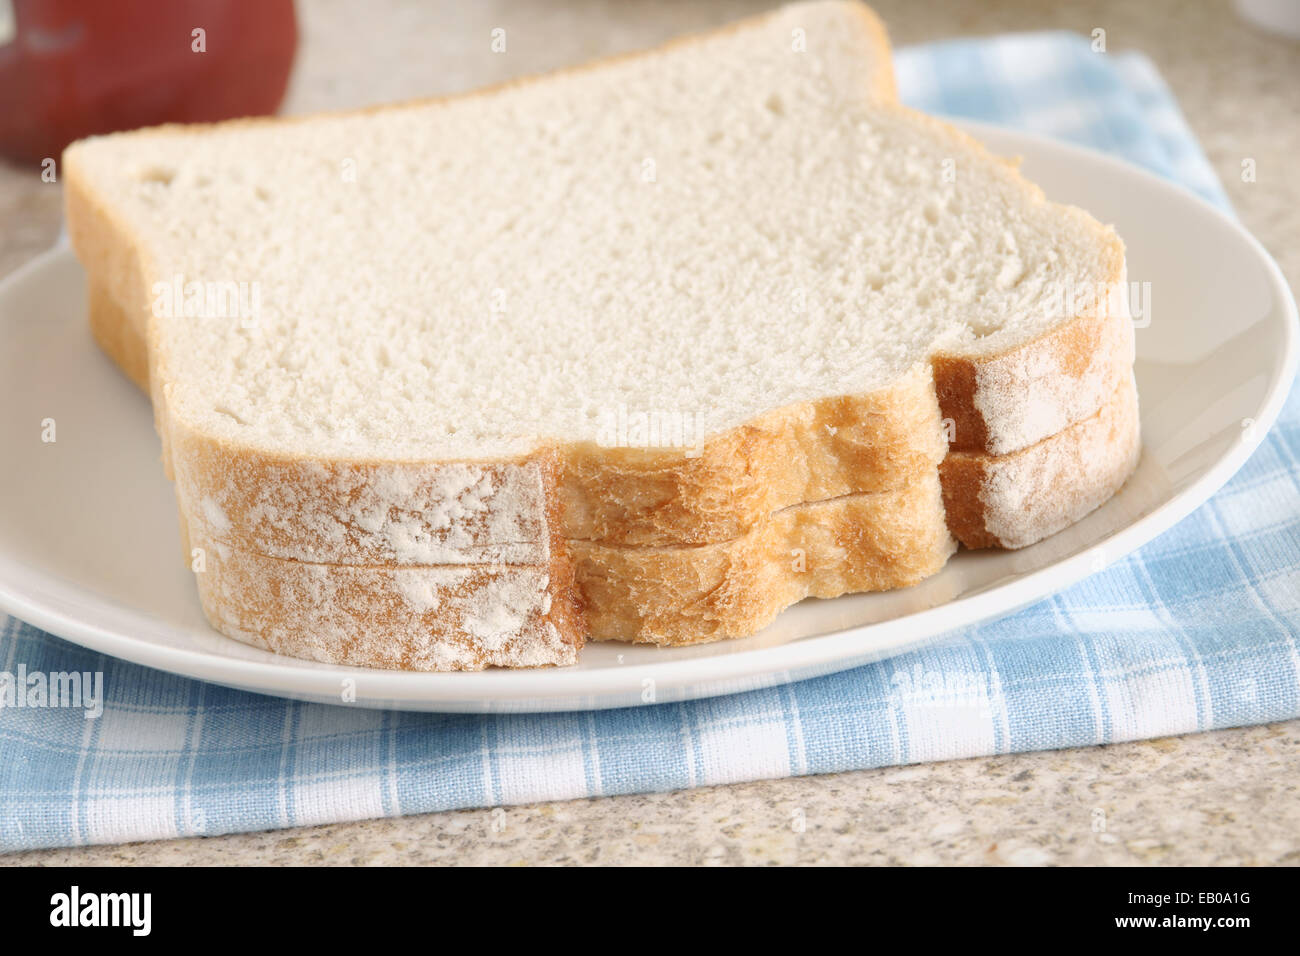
[
  {"x": 1069, "y": 374},
  {"x": 397, "y": 617},
  {"x": 442, "y": 618},
  {"x": 1012, "y": 501},
  {"x": 670, "y": 596},
  {"x": 679, "y": 596}
]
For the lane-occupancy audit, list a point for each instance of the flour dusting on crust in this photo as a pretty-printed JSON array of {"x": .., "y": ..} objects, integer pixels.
[
  {"x": 441, "y": 617},
  {"x": 359, "y": 513}
]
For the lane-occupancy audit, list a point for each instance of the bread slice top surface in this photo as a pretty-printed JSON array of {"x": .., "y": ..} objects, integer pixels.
[{"x": 700, "y": 234}]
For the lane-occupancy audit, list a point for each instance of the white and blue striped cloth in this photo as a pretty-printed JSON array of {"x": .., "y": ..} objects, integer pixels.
[{"x": 1197, "y": 631}]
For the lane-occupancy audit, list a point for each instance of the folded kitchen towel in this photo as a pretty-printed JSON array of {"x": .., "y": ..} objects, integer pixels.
[{"x": 1196, "y": 631}]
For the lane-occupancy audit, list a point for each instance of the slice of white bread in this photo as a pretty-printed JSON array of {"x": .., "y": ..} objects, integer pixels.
[{"x": 743, "y": 229}]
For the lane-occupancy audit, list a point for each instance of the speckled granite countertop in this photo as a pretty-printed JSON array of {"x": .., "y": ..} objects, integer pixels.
[{"x": 1230, "y": 797}]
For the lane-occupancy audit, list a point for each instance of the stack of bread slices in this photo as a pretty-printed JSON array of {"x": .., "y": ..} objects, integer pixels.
[{"x": 646, "y": 351}]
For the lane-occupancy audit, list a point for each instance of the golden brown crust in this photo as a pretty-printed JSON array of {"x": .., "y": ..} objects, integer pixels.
[
  {"x": 807, "y": 452},
  {"x": 1012, "y": 501},
  {"x": 118, "y": 278},
  {"x": 1066, "y": 374},
  {"x": 955, "y": 386},
  {"x": 676, "y": 596},
  {"x": 962, "y": 479},
  {"x": 122, "y": 340}
]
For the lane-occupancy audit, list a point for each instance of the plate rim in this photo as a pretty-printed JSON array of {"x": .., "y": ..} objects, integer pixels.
[{"x": 564, "y": 689}]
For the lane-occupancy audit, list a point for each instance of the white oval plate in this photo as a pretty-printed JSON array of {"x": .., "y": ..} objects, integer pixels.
[{"x": 89, "y": 546}]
